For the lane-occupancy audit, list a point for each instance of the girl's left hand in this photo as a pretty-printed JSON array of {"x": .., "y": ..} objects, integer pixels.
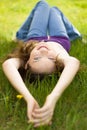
[{"x": 43, "y": 116}]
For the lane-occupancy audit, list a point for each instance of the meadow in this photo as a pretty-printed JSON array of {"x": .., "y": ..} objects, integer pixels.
[{"x": 71, "y": 109}]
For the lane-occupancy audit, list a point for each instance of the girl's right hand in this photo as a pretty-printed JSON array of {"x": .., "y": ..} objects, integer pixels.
[{"x": 32, "y": 104}]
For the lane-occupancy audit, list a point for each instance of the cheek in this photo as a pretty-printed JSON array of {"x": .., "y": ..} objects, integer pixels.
[{"x": 52, "y": 53}]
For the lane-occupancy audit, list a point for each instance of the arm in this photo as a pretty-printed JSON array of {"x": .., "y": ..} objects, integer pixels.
[
  {"x": 71, "y": 66},
  {"x": 10, "y": 68}
]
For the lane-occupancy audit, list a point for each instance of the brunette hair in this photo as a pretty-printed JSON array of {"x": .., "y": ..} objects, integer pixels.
[
  {"x": 23, "y": 52},
  {"x": 59, "y": 64}
]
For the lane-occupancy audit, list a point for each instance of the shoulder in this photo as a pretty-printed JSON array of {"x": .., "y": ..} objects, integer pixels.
[{"x": 17, "y": 62}]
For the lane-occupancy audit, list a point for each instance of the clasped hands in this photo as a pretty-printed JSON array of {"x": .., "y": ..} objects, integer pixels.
[{"x": 40, "y": 116}]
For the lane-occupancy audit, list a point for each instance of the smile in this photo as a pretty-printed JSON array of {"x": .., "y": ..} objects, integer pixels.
[{"x": 42, "y": 47}]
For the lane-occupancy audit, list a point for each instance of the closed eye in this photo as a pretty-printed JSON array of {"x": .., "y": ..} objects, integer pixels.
[
  {"x": 51, "y": 58},
  {"x": 36, "y": 58}
]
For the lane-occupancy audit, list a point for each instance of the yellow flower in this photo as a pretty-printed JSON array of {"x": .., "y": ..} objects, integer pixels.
[{"x": 19, "y": 96}]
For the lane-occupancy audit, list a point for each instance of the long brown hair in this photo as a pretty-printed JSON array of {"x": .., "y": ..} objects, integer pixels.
[{"x": 23, "y": 52}]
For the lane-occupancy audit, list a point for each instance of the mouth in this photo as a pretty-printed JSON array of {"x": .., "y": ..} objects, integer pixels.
[{"x": 42, "y": 47}]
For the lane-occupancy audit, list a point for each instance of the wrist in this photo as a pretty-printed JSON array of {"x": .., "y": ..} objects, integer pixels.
[
  {"x": 27, "y": 98},
  {"x": 54, "y": 96}
]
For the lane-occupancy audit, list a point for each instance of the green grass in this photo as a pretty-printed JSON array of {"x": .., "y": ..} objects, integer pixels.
[{"x": 71, "y": 109}]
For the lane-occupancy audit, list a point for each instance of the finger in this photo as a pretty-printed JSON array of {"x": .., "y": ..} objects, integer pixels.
[
  {"x": 29, "y": 113},
  {"x": 41, "y": 115},
  {"x": 31, "y": 109},
  {"x": 46, "y": 122},
  {"x": 41, "y": 110},
  {"x": 29, "y": 116},
  {"x": 41, "y": 120}
]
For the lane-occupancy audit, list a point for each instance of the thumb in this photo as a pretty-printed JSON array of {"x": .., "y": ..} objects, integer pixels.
[{"x": 29, "y": 113}]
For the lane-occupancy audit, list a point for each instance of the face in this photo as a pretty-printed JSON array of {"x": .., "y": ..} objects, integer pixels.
[{"x": 42, "y": 59}]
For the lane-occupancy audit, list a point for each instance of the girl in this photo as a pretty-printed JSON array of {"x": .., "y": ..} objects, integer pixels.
[{"x": 46, "y": 36}]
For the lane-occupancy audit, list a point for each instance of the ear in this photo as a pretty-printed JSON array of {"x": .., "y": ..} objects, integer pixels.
[{"x": 26, "y": 66}]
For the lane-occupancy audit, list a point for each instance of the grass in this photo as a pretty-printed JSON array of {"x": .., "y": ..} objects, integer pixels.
[{"x": 71, "y": 109}]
